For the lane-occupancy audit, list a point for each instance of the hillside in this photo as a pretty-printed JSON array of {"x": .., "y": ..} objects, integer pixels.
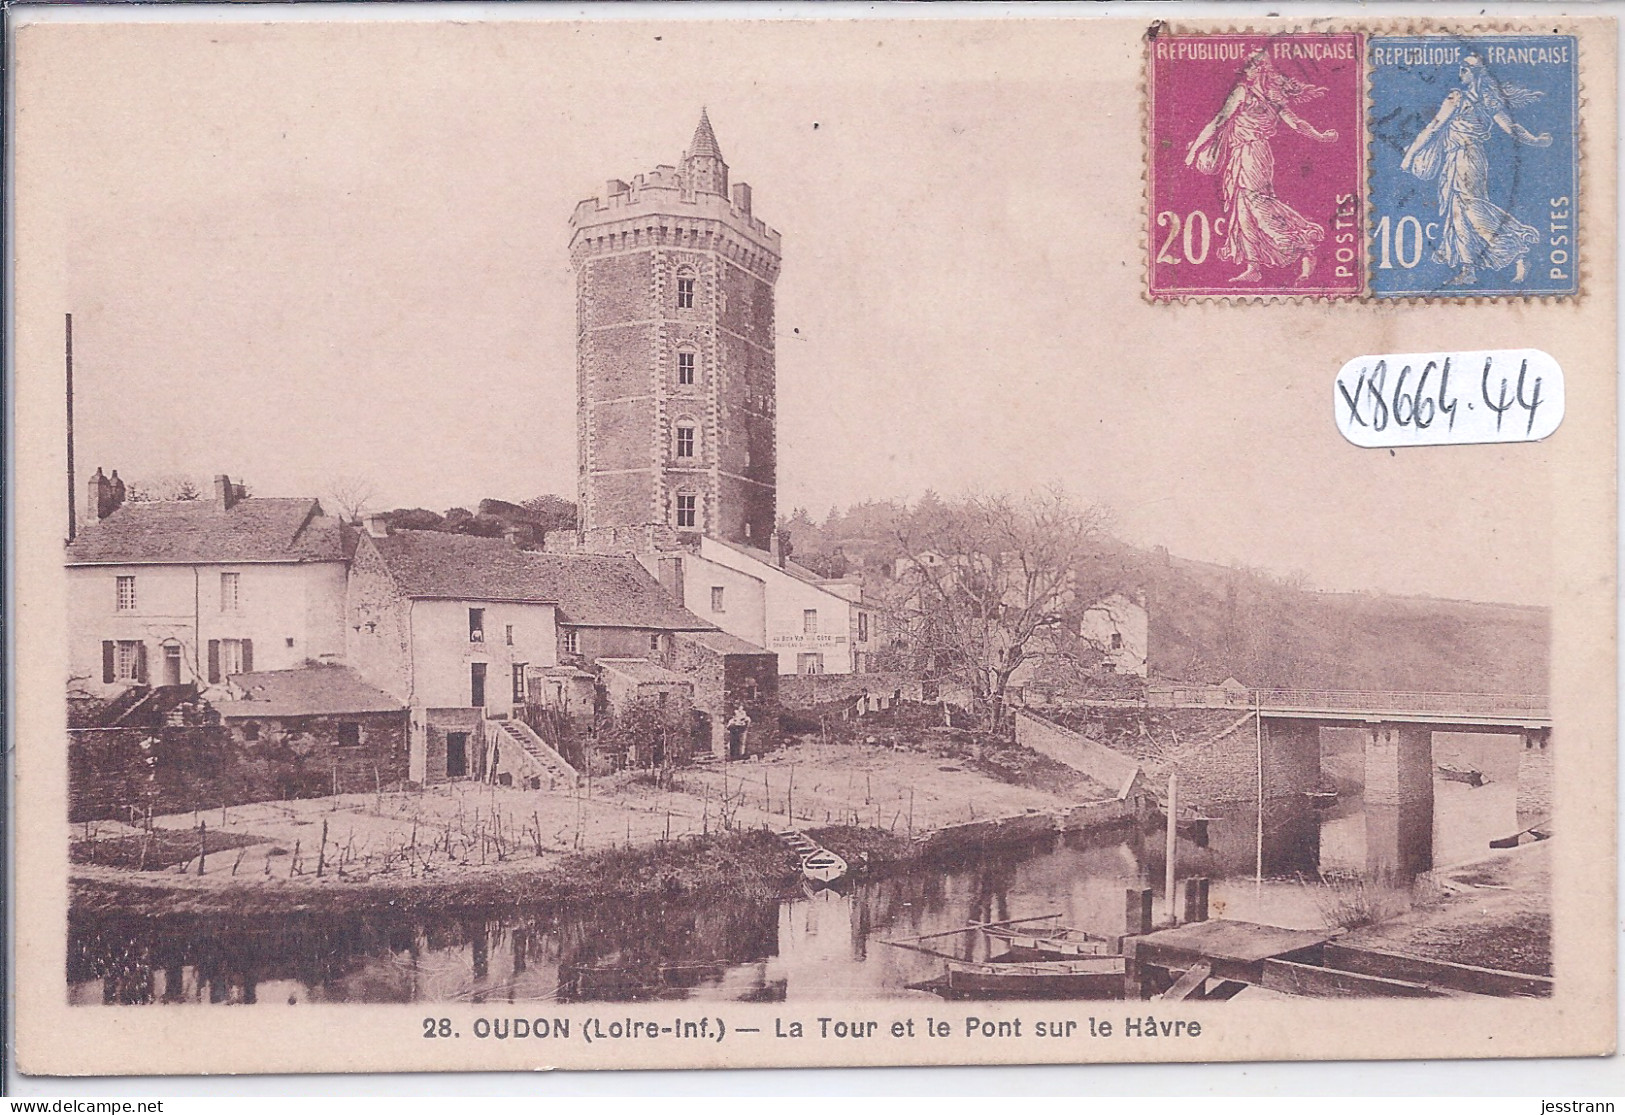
[{"x": 1209, "y": 621}]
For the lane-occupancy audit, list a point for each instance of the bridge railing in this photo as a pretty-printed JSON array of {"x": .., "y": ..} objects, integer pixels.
[{"x": 1353, "y": 700}]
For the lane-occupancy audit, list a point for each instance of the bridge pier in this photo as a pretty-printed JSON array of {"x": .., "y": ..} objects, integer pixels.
[
  {"x": 1398, "y": 799},
  {"x": 1535, "y": 777}
]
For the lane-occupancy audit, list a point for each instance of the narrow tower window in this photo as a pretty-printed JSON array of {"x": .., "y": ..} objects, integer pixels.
[
  {"x": 685, "y": 294},
  {"x": 685, "y": 510},
  {"x": 685, "y": 440},
  {"x": 685, "y": 369}
]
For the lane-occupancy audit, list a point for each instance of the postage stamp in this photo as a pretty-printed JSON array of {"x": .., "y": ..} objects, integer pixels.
[
  {"x": 1474, "y": 165},
  {"x": 1253, "y": 175}
]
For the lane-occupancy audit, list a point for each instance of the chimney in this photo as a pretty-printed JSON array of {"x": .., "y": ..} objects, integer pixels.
[
  {"x": 742, "y": 198},
  {"x": 671, "y": 576},
  {"x": 225, "y": 492},
  {"x": 374, "y": 525},
  {"x": 98, "y": 495},
  {"x": 781, "y": 547}
]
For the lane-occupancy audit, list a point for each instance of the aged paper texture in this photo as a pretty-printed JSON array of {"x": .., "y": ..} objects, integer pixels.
[{"x": 694, "y": 544}]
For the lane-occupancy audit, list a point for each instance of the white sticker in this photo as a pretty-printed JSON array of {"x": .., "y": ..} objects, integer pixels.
[{"x": 1448, "y": 398}]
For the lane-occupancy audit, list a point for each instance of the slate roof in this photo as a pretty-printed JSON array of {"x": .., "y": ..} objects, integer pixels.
[
  {"x": 704, "y": 142},
  {"x": 720, "y": 642},
  {"x": 186, "y": 532},
  {"x": 314, "y": 691},
  {"x": 590, "y": 590},
  {"x": 602, "y": 591},
  {"x": 641, "y": 671},
  {"x": 434, "y": 565}
]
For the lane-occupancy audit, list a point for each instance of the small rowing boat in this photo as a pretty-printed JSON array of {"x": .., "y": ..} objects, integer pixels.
[
  {"x": 1050, "y": 942},
  {"x": 1098, "y": 977},
  {"x": 1461, "y": 774},
  {"x": 818, "y": 864}
]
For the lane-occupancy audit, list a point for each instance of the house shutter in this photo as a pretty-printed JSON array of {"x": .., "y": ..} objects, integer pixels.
[
  {"x": 248, "y": 656},
  {"x": 141, "y": 663},
  {"x": 109, "y": 667},
  {"x": 214, "y": 661}
]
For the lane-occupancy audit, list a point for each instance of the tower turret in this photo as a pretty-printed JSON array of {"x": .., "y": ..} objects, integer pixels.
[
  {"x": 675, "y": 394},
  {"x": 703, "y": 164}
]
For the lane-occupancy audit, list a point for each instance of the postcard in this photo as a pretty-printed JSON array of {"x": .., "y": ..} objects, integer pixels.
[{"x": 582, "y": 543}]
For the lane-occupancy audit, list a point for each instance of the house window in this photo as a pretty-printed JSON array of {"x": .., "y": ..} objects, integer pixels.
[
  {"x": 507, "y": 634},
  {"x": 230, "y": 584},
  {"x": 654, "y": 642},
  {"x": 685, "y": 369},
  {"x": 809, "y": 663},
  {"x": 230, "y": 656},
  {"x": 476, "y": 684},
  {"x": 519, "y": 682},
  {"x": 809, "y": 622},
  {"x": 716, "y": 599},
  {"x": 685, "y": 293},
  {"x": 349, "y": 734},
  {"x": 685, "y": 440},
  {"x": 686, "y": 511},
  {"x": 251, "y": 730},
  {"x": 572, "y": 641},
  {"x": 476, "y": 625},
  {"x": 863, "y": 627},
  {"x": 130, "y": 658},
  {"x": 1117, "y": 640},
  {"x": 126, "y": 594}
]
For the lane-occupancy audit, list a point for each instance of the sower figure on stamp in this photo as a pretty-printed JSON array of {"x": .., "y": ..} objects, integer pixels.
[
  {"x": 1261, "y": 229},
  {"x": 1477, "y": 233}
]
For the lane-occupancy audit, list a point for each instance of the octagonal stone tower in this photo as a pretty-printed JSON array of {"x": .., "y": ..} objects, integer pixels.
[{"x": 674, "y": 352}]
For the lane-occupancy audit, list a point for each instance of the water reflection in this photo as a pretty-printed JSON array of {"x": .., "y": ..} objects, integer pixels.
[{"x": 800, "y": 947}]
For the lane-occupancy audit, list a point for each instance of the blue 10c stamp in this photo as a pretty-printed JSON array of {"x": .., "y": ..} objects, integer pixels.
[{"x": 1474, "y": 170}]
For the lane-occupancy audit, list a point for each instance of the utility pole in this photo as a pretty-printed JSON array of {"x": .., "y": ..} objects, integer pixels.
[{"x": 73, "y": 484}]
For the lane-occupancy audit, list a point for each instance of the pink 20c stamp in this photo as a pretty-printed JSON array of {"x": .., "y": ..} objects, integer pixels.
[{"x": 1255, "y": 181}]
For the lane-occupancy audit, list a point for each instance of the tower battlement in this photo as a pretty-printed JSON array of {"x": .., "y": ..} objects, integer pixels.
[
  {"x": 675, "y": 353},
  {"x": 685, "y": 204}
]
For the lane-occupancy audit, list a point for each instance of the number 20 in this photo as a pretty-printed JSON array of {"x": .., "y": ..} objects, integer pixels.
[{"x": 1195, "y": 245}]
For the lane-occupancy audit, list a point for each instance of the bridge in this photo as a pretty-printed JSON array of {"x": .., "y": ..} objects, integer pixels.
[
  {"x": 1466, "y": 711},
  {"x": 1399, "y": 762}
]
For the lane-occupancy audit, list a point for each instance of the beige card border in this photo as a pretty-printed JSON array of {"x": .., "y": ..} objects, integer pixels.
[{"x": 54, "y": 1038}]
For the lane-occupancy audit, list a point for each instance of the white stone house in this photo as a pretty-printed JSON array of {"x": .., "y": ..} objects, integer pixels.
[
  {"x": 1120, "y": 628},
  {"x": 813, "y": 625},
  {"x": 190, "y": 592}
]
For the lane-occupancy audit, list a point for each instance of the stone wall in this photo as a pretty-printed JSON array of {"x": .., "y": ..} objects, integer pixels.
[
  {"x": 1224, "y": 769},
  {"x": 809, "y": 690},
  {"x": 1112, "y": 769}
]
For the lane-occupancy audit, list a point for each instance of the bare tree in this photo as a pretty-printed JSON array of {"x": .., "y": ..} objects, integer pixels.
[
  {"x": 350, "y": 496},
  {"x": 989, "y": 576}
]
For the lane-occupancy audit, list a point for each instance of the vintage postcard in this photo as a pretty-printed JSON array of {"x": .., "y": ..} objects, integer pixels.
[{"x": 559, "y": 542}]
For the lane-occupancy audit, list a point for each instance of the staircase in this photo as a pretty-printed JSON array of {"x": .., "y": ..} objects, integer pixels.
[{"x": 545, "y": 763}]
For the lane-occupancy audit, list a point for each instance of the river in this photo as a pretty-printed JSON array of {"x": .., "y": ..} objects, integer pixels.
[{"x": 825, "y": 945}]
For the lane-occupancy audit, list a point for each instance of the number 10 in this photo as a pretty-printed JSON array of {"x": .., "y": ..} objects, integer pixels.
[{"x": 1399, "y": 242}]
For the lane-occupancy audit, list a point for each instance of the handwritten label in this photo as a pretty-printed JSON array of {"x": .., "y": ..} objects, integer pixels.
[{"x": 1448, "y": 398}]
